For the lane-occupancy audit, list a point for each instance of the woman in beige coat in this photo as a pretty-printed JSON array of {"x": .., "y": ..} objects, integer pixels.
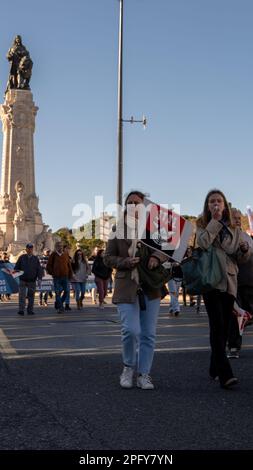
[
  {"x": 138, "y": 314},
  {"x": 215, "y": 228}
]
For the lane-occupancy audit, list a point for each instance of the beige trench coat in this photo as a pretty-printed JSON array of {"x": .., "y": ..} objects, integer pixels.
[{"x": 228, "y": 252}]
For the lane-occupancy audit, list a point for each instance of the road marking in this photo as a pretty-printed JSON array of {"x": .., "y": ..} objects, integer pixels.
[{"x": 5, "y": 346}]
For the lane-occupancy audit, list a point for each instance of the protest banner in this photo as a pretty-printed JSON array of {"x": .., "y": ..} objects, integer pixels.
[
  {"x": 8, "y": 283},
  {"x": 12, "y": 272}
]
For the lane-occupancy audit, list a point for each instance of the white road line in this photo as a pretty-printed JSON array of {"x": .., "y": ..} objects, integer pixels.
[{"x": 5, "y": 346}]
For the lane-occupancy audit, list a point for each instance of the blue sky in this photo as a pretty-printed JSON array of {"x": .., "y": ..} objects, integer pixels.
[{"x": 188, "y": 66}]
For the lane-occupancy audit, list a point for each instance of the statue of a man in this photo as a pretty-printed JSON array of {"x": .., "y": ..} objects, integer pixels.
[{"x": 21, "y": 66}]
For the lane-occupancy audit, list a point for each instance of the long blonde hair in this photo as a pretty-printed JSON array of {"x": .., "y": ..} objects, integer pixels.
[{"x": 205, "y": 217}]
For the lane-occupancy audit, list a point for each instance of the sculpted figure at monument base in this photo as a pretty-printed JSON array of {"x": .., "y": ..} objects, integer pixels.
[{"x": 46, "y": 239}]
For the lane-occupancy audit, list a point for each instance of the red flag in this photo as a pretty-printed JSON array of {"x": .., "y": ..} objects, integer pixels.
[{"x": 242, "y": 316}]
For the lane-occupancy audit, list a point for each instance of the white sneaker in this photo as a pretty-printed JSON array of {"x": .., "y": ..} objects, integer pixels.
[
  {"x": 126, "y": 378},
  {"x": 144, "y": 381}
]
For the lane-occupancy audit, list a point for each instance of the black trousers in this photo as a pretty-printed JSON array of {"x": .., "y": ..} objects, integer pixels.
[
  {"x": 234, "y": 337},
  {"x": 219, "y": 306},
  {"x": 245, "y": 297},
  {"x": 245, "y": 300}
]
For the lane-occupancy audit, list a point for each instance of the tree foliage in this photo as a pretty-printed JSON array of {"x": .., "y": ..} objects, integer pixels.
[{"x": 85, "y": 244}]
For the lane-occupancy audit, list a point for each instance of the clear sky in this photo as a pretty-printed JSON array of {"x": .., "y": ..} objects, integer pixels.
[{"x": 188, "y": 66}]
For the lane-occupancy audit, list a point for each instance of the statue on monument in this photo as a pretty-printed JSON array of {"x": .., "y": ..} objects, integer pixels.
[
  {"x": 1, "y": 239},
  {"x": 32, "y": 202},
  {"x": 21, "y": 66},
  {"x": 6, "y": 202},
  {"x": 20, "y": 201},
  {"x": 46, "y": 239}
]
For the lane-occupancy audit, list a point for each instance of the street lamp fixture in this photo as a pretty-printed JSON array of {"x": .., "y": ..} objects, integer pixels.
[{"x": 132, "y": 120}]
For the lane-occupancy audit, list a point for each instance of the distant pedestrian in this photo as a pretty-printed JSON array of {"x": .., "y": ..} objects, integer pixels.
[
  {"x": 91, "y": 261},
  {"x": 30, "y": 265},
  {"x": 43, "y": 262},
  {"x": 174, "y": 285},
  {"x": 188, "y": 253},
  {"x": 66, "y": 249},
  {"x": 59, "y": 267},
  {"x": 80, "y": 269},
  {"x": 102, "y": 274}
]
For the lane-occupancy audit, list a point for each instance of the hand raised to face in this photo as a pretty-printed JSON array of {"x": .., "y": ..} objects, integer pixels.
[{"x": 216, "y": 206}]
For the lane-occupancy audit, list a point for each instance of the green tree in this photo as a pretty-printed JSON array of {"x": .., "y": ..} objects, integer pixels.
[{"x": 86, "y": 244}]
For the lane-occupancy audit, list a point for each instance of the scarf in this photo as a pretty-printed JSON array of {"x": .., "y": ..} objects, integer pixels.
[{"x": 132, "y": 227}]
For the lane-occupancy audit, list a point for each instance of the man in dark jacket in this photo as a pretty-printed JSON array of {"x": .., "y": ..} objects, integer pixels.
[{"x": 29, "y": 263}]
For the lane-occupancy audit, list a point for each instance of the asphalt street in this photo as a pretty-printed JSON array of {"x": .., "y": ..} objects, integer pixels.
[{"x": 60, "y": 385}]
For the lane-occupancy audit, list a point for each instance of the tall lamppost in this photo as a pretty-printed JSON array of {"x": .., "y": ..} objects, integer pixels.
[
  {"x": 120, "y": 124},
  {"x": 120, "y": 119}
]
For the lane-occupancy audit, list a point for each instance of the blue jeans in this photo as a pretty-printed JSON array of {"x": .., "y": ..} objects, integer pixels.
[
  {"x": 79, "y": 288},
  {"x": 138, "y": 333},
  {"x": 67, "y": 298},
  {"x": 174, "y": 286},
  {"x": 61, "y": 287}
]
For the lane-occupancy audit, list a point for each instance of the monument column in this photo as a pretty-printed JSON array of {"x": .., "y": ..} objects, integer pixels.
[
  {"x": 18, "y": 117},
  {"x": 20, "y": 219}
]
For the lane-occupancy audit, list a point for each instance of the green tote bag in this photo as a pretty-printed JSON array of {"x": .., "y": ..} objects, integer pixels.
[{"x": 202, "y": 271}]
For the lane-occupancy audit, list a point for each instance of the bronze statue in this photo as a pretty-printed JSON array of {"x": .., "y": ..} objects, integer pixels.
[{"x": 21, "y": 66}]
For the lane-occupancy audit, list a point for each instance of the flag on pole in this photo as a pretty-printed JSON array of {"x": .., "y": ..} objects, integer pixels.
[{"x": 160, "y": 228}]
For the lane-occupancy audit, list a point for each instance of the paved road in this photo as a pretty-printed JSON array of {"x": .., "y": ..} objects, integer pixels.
[
  {"x": 92, "y": 331},
  {"x": 59, "y": 386}
]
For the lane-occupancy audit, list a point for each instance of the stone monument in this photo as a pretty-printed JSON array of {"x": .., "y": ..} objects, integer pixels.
[{"x": 20, "y": 218}]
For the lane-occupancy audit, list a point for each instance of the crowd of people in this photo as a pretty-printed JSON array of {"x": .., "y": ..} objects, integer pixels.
[
  {"x": 66, "y": 272},
  {"x": 138, "y": 313},
  {"x": 139, "y": 285}
]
